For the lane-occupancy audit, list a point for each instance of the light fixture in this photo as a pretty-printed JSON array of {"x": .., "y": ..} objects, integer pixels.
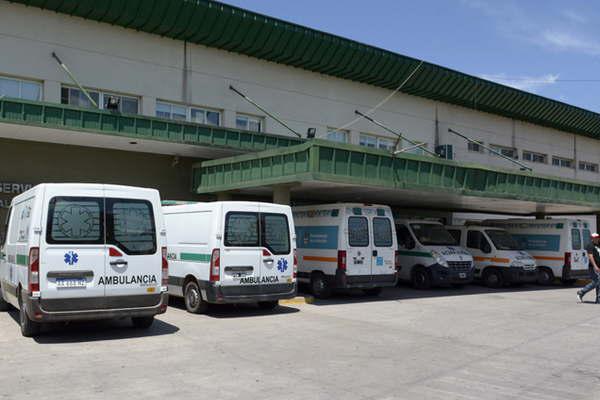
[
  {"x": 311, "y": 133},
  {"x": 112, "y": 103}
]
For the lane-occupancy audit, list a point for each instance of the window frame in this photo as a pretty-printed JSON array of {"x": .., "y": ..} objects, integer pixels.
[
  {"x": 334, "y": 131},
  {"x": 109, "y": 225},
  {"x": 391, "y": 242},
  {"x": 529, "y": 156},
  {"x": 580, "y": 241},
  {"x": 227, "y": 243},
  {"x": 500, "y": 149},
  {"x": 5, "y": 227},
  {"x": 479, "y": 144},
  {"x": 262, "y": 229},
  {"x": 21, "y": 81},
  {"x": 249, "y": 117},
  {"x": 377, "y": 141},
  {"x": 102, "y": 96},
  {"x": 595, "y": 169}
]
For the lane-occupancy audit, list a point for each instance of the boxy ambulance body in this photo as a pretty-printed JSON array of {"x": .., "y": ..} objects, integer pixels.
[
  {"x": 84, "y": 251},
  {"x": 497, "y": 256},
  {"x": 346, "y": 246},
  {"x": 558, "y": 245},
  {"x": 430, "y": 256},
  {"x": 231, "y": 252}
]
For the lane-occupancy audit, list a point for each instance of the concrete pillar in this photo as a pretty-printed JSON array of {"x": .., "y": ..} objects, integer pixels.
[
  {"x": 228, "y": 118},
  {"x": 597, "y": 222},
  {"x": 540, "y": 216},
  {"x": 51, "y": 92},
  {"x": 282, "y": 195},
  {"x": 148, "y": 106},
  {"x": 224, "y": 196}
]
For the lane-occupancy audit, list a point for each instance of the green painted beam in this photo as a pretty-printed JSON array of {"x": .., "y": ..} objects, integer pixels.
[
  {"x": 320, "y": 160},
  {"x": 59, "y": 116}
]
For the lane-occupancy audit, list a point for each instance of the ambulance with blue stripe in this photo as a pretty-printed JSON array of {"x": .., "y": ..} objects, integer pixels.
[
  {"x": 344, "y": 246},
  {"x": 230, "y": 252}
]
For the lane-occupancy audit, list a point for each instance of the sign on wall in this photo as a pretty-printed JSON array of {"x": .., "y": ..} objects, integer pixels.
[{"x": 11, "y": 189}]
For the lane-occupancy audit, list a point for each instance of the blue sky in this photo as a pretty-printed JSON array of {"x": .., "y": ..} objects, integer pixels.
[{"x": 551, "y": 47}]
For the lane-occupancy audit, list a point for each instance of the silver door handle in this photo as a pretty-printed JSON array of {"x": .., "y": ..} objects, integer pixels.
[
  {"x": 118, "y": 262},
  {"x": 268, "y": 260}
]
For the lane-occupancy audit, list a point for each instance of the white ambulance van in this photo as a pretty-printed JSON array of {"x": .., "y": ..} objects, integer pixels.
[
  {"x": 430, "y": 256},
  {"x": 497, "y": 256},
  {"x": 84, "y": 251},
  {"x": 558, "y": 246},
  {"x": 343, "y": 246},
  {"x": 231, "y": 252}
]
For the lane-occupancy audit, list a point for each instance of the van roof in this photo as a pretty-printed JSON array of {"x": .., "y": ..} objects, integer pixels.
[
  {"x": 339, "y": 205},
  {"x": 417, "y": 221},
  {"x": 67, "y": 186},
  {"x": 473, "y": 226},
  {"x": 213, "y": 204}
]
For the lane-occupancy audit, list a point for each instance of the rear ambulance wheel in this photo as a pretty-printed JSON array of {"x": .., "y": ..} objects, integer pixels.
[
  {"x": 319, "y": 286},
  {"x": 376, "y": 291},
  {"x": 569, "y": 282},
  {"x": 142, "y": 322},
  {"x": 29, "y": 328},
  {"x": 545, "y": 276},
  {"x": 420, "y": 278},
  {"x": 492, "y": 278},
  {"x": 268, "y": 305},
  {"x": 193, "y": 299},
  {"x": 4, "y": 305}
]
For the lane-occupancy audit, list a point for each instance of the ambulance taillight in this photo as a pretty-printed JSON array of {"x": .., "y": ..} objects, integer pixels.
[
  {"x": 215, "y": 265},
  {"x": 568, "y": 260},
  {"x": 341, "y": 260},
  {"x": 295, "y": 270},
  {"x": 165, "y": 267},
  {"x": 34, "y": 270}
]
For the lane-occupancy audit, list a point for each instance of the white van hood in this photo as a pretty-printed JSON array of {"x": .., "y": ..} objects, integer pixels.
[
  {"x": 452, "y": 253},
  {"x": 517, "y": 257}
]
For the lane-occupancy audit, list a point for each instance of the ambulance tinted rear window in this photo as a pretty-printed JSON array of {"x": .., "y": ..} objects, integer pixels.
[
  {"x": 358, "y": 232},
  {"x": 75, "y": 220},
  {"x": 382, "y": 232},
  {"x": 130, "y": 226},
  {"x": 241, "y": 229},
  {"x": 275, "y": 233}
]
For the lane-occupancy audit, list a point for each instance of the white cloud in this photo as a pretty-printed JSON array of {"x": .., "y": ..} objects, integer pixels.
[
  {"x": 575, "y": 17},
  {"x": 527, "y": 83},
  {"x": 565, "y": 41}
]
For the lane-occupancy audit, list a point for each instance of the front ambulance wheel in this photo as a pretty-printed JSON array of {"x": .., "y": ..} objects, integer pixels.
[
  {"x": 268, "y": 305},
  {"x": 193, "y": 299},
  {"x": 4, "y": 305},
  {"x": 29, "y": 328},
  {"x": 142, "y": 322}
]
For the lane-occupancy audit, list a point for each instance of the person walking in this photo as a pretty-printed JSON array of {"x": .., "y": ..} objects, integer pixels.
[{"x": 594, "y": 255}]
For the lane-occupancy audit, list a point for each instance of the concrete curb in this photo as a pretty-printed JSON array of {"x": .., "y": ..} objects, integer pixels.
[{"x": 297, "y": 301}]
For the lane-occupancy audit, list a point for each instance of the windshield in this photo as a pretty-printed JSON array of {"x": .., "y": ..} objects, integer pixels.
[
  {"x": 433, "y": 235},
  {"x": 502, "y": 240}
]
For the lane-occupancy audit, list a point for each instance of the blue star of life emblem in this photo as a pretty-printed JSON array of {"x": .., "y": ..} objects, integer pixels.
[
  {"x": 282, "y": 265},
  {"x": 71, "y": 258}
]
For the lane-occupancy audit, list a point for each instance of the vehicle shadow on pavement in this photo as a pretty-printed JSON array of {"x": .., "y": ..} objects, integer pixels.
[
  {"x": 236, "y": 310},
  {"x": 405, "y": 292},
  {"x": 97, "y": 330}
]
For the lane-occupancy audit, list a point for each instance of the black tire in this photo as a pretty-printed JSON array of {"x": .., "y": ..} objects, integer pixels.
[
  {"x": 4, "y": 305},
  {"x": 568, "y": 282},
  {"x": 142, "y": 322},
  {"x": 320, "y": 286},
  {"x": 268, "y": 305},
  {"x": 492, "y": 278},
  {"x": 193, "y": 298},
  {"x": 376, "y": 291},
  {"x": 29, "y": 328},
  {"x": 420, "y": 278},
  {"x": 545, "y": 276}
]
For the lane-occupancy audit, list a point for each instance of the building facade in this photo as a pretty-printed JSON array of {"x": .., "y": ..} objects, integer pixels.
[{"x": 161, "y": 78}]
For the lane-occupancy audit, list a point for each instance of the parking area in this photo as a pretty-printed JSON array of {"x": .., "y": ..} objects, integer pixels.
[{"x": 519, "y": 343}]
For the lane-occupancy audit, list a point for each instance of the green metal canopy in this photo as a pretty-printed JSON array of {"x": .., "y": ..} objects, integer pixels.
[
  {"x": 334, "y": 171},
  {"x": 230, "y": 28}
]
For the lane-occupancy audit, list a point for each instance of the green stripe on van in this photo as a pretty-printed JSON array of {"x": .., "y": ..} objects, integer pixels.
[
  {"x": 22, "y": 259},
  {"x": 195, "y": 257},
  {"x": 415, "y": 253}
]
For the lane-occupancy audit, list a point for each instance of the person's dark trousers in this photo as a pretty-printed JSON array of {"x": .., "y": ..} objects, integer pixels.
[{"x": 594, "y": 284}]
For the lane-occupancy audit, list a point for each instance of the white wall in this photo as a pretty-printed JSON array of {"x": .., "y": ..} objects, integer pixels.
[{"x": 129, "y": 62}]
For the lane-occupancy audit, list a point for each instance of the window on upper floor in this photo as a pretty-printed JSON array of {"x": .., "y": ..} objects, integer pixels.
[
  {"x": 377, "y": 142},
  {"x": 535, "y": 157},
  {"x": 475, "y": 147},
  {"x": 75, "y": 97},
  {"x": 338, "y": 135},
  {"x": 588, "y": 166},
  {"x": 505, "y": 151},
  {"x": 20, "y": 88},
  {"x": 180, "y": 112},
  {"x": 249, "y": 122},
  {"x": 562, "y": 162}
]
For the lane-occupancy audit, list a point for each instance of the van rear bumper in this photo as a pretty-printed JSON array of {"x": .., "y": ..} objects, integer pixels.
[
  {"x": 55, "y": 310},
  {"x": 575, "y": 274},
  {"x": 247, "y": 294},
  {"x": 344, "y": 281}
]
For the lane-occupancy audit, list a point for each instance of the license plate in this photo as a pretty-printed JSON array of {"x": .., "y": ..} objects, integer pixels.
[
  {"x": 462, "y": 275},
  {"x": 70, "y": 283}
]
